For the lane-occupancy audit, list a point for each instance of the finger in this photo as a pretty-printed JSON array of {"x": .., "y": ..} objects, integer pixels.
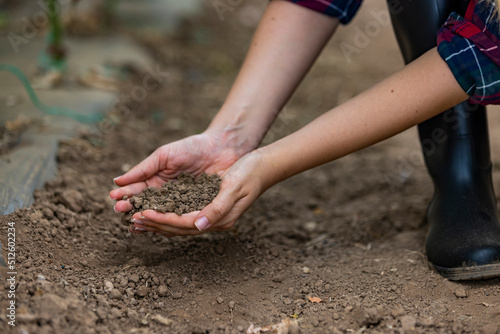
[
  {"x": 123, "y": 206},
  {"x": 141, "y": 172},
  {"x": 160, "y": 228},
  {"x": 155, "y": 228},
  {"x": 152, "y": 226},
  {"x": 184, "y": 222},
  {"x": 216, "y": 210},
  {"x": 135, "y": 230},
  {"x": 130, "y": 190},
  {"x": 168, "y": 235}
]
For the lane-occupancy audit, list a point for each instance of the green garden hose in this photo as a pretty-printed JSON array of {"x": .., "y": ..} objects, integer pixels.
[{"x": 50, "y": 110}]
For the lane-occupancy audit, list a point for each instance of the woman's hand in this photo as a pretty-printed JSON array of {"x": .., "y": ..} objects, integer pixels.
[
  {"x": 241, "y": 185},
  {"x": 195, "y": 155}
]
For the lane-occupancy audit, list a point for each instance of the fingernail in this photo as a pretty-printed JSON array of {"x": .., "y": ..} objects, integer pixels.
[
  {"x": 137, "y": 221},
  {"x": 114, "y": 208},
  {"x": 116, "y": 178},
  {"x": 202, "y": 223},
  {"x": 140, "y": 229}
]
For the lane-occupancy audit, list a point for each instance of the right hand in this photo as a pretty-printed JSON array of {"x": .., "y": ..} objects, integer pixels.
[
  {"x": 195, "y": 155},
  {"x": 241, "y": 185}
]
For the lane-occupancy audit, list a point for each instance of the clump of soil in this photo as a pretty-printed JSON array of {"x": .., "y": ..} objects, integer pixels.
[
  {"x": 11, "y": 132},
  {"x": 186, "y": 194}
]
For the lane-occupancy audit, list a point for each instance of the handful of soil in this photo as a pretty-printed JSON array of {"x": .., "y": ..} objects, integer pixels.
[{"x": 186, "y": 194}]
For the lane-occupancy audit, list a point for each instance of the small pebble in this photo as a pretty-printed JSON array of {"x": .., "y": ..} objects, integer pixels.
[
  {"x": 115, "y": 294},
  {"x": 102, "y": 313},
  {"x": 108, "y": 286},
  {"x": 162, "y": 291},
  {"x": 134, "y": 278},
  {"x": 461, "y": 293},
  {"x": 311, "y": 226},
  {"x": 129, "y": 292},
  {"x": 124, "y": 282},
  {"x": 371, "y": 316},
  {"x": 220, "y": 300},
  {"x": 142, "y": 291},
  {"x": 231, "y": 304},
  {"x": 408, "y": 323},
  {"x": 397, "y": 312},
  {"x": 306, "y": 270}
]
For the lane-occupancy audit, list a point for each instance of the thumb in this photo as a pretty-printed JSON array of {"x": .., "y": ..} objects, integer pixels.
[
  {"x": 141, "y": 172},
  {"x": 215, "y": 211}
]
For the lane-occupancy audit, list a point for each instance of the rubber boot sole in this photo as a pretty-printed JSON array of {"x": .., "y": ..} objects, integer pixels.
[{"x": 469, "y": 272}]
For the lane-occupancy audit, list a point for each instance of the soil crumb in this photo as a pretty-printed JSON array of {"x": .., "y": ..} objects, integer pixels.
[{"x": 186, "y": 194}]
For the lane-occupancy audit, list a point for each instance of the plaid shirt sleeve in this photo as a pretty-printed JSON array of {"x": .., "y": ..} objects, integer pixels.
[
  {"x": 344, "y": 10},
  {"x": 470, "y": 47}
]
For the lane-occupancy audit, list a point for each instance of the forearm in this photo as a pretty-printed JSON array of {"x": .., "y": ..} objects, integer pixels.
[
  {"x": 418, "y": 92},
  {"x": 286, "y": 44}
]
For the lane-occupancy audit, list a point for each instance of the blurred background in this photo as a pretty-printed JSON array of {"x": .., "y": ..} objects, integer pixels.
[{"x": 90, "y": 88}]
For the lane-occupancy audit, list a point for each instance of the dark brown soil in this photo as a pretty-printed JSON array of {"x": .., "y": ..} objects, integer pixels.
[
  {"x": 186, "y": 194},
  {"x": 350, "y": 233}
]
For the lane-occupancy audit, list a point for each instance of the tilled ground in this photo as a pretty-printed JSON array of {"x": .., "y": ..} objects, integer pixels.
[{"x": 350, "y": 233}]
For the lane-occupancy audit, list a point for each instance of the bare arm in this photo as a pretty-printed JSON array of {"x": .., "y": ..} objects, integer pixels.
[
  {"x": 418, "y": 92},
  {"x": 286, "y": 44}
]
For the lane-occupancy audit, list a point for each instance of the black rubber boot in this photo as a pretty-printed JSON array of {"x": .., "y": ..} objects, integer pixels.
[{"x": 464, "y": 237}]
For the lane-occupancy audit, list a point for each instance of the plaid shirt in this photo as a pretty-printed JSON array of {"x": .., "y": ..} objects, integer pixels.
[
  {"x": 344, "y": 10},
  {"x": 469, "y": 45}
]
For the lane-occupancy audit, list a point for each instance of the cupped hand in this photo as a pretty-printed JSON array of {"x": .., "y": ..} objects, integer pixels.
[
  {"x": 195, "y": 155},
  {"x": 241, "y": 185}
]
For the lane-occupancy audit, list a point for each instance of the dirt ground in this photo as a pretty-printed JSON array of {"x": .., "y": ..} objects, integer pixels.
[{"x": 350, "y": 233}]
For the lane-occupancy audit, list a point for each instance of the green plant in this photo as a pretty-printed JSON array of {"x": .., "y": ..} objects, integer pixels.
[
  {"x": 109, "y": 11},
  {"x": 54, "y": 55}
]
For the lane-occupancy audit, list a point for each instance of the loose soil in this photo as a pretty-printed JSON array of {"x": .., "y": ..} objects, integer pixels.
[
  {"x": 186, "y": 194},
  {"x": 350, "y": 233}
]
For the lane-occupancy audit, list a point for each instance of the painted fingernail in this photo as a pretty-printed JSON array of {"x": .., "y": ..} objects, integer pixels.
[
  {"x": 202, "y": 223},
  {"x": 137, "y": 221}
]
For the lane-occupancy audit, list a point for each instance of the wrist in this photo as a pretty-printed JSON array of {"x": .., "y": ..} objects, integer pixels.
[
  {"x": 231, "y": 139},
  {"x": 268, "y": 170},
  {"x": 240, "y": 129}
]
